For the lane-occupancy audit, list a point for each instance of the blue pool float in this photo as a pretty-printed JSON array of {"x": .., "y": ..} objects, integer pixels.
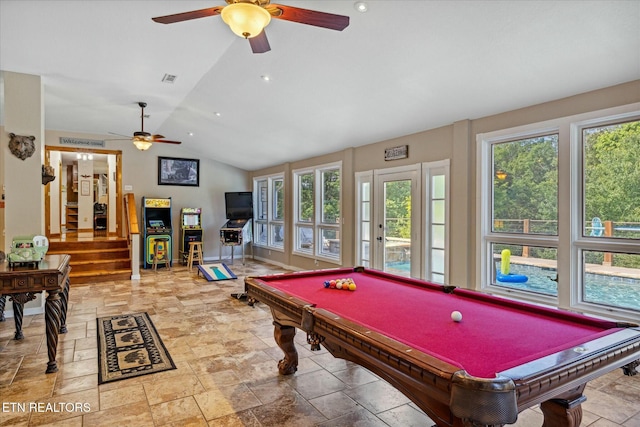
[
  {"x": 511, "y": 278},
  {"x": 505, "y": 265}
]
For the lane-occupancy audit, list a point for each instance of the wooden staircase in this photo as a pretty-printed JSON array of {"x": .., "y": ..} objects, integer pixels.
[{"x": 95, "y": 261}]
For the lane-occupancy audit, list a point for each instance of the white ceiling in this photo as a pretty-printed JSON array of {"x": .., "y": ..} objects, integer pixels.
[{"x": 400, "y": 68}]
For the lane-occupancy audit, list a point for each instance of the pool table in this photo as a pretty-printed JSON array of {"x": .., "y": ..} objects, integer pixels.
[{"x": 501, "y": 358}]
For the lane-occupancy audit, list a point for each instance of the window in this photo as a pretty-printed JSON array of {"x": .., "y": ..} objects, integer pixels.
[
  {"x": 364, "y": 182},
  {"x": 318, "y": 211},
  {"x": 610, "y": 190},
  {"x": 524, "y": 204},
  {"x": 436, "y": 188},
  {"x": 262, "y": 208},
  {"x": 269, "y": 217},
  {"x": 574, "y": 243}
]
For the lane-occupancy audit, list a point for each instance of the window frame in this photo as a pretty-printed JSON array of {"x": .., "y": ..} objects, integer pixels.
[
  {"x": 430, "y": 170},
  {"x": 570, "y": 242},
  {"x": 316, "y": 223},
  {"x": 583, "y": 243},
  {"x": 488, "y": 235},
  {"x": 270, "y": 221}
]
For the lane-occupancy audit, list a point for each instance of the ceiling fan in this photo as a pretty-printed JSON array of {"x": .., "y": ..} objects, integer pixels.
[
  {"x": 143, "y": 140},
  {"x": 248, "y": 18}
]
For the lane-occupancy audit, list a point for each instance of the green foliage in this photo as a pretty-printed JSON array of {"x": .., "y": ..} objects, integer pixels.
[
  {"x": 278, "y": 194},
  {"x": 611, "y": 171},
  {"x": 530, "y": 188},
  {"x": 398, "y": 209},
  {"x": 306, "y": 197},
  {"x": 331, "y": 196},
  {"x": 612, "y": 178}
]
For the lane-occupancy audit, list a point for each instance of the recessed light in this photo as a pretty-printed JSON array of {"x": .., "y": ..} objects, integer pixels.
[
  {"x": 217, "y": 114},
  {"x": 190, "y": 133},
  {"x": 361, "y": 6},
  {"x": 265, "y": 78}
]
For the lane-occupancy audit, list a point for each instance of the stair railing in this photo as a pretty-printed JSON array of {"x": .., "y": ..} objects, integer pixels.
[{"x": 133, "y": 234}]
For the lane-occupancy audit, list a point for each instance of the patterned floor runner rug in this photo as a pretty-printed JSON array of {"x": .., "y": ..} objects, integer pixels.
[
  {"x": 217, "y": 271},
  {"x": 129, "y": 346}
]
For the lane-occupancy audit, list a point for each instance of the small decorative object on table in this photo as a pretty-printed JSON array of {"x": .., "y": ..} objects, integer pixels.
[{"x": 27, "y": 250}]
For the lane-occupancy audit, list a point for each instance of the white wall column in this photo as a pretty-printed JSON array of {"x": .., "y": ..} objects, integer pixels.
[{"x": 24, "y": 192}]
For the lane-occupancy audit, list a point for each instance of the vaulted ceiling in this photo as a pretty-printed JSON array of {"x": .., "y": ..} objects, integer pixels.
[{"x": 397, "y": 69}]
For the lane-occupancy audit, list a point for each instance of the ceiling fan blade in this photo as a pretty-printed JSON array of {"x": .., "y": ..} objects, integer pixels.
[
  {"x": 118, "y": 134},
  {"x": 166, "y": 141},
  {"x": 310, "y": 17},
  {"x": 156, "y": 136},
  {"x": 259, "y": 43},
  {"x": 186, "y": 16}
]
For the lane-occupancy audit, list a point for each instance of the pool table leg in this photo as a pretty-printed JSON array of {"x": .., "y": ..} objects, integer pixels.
[
  {"x": 284, "y": 338},
  {"x": 565, "y": 410}
]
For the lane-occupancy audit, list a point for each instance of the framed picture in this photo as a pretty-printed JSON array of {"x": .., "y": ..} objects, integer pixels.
[
  {"x": 85, "y": 187},
  {"x": 176, "y": 171}
]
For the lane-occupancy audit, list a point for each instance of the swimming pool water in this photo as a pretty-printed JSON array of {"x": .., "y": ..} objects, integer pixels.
[{"x": 608, "y": 290}]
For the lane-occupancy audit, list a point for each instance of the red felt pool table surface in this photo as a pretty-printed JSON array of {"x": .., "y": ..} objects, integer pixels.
[{"x": 495, "y": 334}]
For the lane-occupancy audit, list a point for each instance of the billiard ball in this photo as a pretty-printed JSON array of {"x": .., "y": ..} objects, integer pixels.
[
  {"x": 456, "y": 316},
  {"x": 352, "y": 286}
]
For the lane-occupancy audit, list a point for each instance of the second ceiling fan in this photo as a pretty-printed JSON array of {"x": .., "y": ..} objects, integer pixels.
[
  {"x": 248, "y": 18},
  {"x": 143, "y": 140}
]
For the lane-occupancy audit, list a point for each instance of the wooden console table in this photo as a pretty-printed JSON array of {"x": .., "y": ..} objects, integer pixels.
[{"x": 22, "y": 284}]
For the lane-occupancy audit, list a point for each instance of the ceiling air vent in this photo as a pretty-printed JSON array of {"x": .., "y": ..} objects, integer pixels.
[{"x": 169, "y": 78}]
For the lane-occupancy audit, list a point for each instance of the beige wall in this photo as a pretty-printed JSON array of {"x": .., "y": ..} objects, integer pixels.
[
  {"x": 23, "y": 115},
  {"x": 455, "y": 142}
]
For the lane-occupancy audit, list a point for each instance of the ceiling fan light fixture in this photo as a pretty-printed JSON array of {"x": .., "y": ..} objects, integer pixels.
[
  {"x": 247, "y": 20},
  {"x": 141, "y": 143}
]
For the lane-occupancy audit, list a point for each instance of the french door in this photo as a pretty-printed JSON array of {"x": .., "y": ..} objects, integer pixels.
[
  {"x": 397, "y": 223},
  {"x": 402, "y": 220}
]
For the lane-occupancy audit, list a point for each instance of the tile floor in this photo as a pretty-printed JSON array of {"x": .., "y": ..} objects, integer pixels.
[{"x": 226, "y": 368}]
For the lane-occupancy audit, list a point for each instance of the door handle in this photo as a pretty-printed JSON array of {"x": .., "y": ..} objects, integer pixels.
[{"x": 379, "y": 239}]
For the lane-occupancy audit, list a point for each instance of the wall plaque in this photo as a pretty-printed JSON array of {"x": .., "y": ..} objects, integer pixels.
[
  {"x": 395, "y": 153},
  {"x": 82, "y": 142}
]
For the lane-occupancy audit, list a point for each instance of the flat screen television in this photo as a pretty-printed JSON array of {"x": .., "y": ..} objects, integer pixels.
[{"x": 239, "y": 204}]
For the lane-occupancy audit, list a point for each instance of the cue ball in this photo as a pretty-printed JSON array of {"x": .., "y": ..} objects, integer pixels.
[{"x": 456, "y": 316}]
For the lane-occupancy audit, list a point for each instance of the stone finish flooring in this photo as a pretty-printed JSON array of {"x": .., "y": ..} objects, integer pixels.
[{"x": 226, "y": 368}]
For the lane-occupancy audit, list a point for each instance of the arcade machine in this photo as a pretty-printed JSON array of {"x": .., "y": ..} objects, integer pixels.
[
  {"x": 237, "y": 230},
  {"x": 156, "y": 216},
  {"x": 190, "y": 230}
]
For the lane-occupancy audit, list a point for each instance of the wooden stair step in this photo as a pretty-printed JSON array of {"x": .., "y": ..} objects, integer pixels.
[
  {"x": 95, "y": 261},
  {"x": 83, "y": 245},
  {"x": 101, "y": 264},
  {"x": 90, "y": 255},
  {"x": 97, "y": 276}
]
